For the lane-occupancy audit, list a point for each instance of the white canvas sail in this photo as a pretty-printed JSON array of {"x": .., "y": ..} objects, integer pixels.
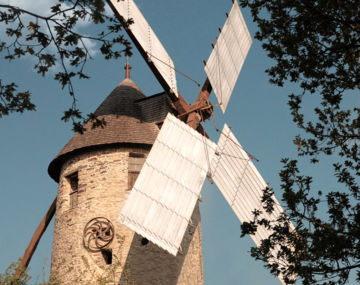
[
  {"x": 163, "y": 198},
  {"x": 241, "y": 184},
  {"x": 148, "y": 40},
  {"x": 227, "y": 58}
]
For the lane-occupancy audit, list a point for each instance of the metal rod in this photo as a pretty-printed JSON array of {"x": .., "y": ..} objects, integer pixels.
[{"x": 201, "y": 108}]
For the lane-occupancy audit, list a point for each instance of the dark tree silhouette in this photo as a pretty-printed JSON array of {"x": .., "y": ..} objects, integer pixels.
[
  {"x": 316, "y": 45},
  {"x": 54, "y": 39}
]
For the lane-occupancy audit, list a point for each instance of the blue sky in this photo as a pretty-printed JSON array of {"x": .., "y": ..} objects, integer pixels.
[{"x": 257, "y": 112}]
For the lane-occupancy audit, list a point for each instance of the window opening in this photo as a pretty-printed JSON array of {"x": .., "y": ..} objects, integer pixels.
[
  {"x": 144, "y": 241},
  {"x": 73, "y": 180},
  {"x": 107, "y": 255},
  {"x": 136, "y": 161}
]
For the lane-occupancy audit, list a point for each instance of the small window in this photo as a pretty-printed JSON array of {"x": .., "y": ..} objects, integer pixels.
[
  {"x": 73, "y": 180},
  {"x": 136, "y": 161},
  {"x": 144, "y": 241},
  {"x": 107, "y": 255}
]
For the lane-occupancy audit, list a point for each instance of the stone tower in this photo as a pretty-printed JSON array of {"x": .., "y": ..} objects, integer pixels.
[{"x": 95, "y": 172}]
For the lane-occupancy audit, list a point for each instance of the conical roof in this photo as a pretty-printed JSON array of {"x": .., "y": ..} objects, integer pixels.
[
  {"x": 124, "y": 125},
  {"x": 121, "y": 101}
]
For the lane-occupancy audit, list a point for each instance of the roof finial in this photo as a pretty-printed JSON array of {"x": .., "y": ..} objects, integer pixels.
[{"x": 127, "y": 69}]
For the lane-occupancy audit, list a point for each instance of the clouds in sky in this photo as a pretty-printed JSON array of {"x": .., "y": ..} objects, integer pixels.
[{"x": 42, "y": 7}]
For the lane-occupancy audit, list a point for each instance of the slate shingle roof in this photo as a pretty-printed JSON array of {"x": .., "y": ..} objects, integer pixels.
[
  {"x": 125, "y": 124},
  {"x": 121, "y": 101},
  {"x": 155, "y": 108}
]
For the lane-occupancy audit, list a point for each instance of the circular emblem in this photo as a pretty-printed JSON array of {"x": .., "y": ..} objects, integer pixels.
[{"x": 98, "y": 234}]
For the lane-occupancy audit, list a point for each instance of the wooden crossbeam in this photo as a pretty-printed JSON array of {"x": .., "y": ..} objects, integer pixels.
[{"x": 36, "y": 237}]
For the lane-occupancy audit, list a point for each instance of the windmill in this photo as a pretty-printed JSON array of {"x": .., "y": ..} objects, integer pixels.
[
  {"x": 165, "y": 214},
  {"x": 163, "y": 198}
]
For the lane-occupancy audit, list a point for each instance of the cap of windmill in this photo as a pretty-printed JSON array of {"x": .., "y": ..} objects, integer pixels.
[{"x": 125, "y": 124}]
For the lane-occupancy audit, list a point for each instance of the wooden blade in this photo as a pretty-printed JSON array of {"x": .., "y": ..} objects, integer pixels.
[
  {"x": 166, "y": 78},
  {"x": 165, "y": 193},
  {"x": 242, "y": 186},
  {"x": 36, "y": 237},
  {"x": 228, "y": 56},
  {"x": 147, "y": 43}
]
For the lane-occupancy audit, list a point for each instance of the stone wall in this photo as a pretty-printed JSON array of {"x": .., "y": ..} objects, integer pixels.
[{"x": 102, "y": 191}]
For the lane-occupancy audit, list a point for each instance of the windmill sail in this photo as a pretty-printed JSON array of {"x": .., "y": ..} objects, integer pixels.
[
  {"x": 240, "y": 182},
  {"x": 227, "y": 58},
  {"x": 163, "y": 198},
  {"x": 148, "y": 43}
]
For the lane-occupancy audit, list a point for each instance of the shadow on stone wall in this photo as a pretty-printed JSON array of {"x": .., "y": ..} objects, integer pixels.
[{"x": 149, "y": 264}]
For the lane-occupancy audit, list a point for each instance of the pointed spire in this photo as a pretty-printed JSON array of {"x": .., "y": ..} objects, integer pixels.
[{"x": 127, "y": 69}]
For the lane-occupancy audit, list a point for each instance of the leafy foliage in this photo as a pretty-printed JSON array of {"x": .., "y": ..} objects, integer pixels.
[
  {"x": 54, "y": 40},
  {"x": 14, "y": 275},
  {"x": 316, "y": 45},
  {"x": 12, "y": 101}
]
